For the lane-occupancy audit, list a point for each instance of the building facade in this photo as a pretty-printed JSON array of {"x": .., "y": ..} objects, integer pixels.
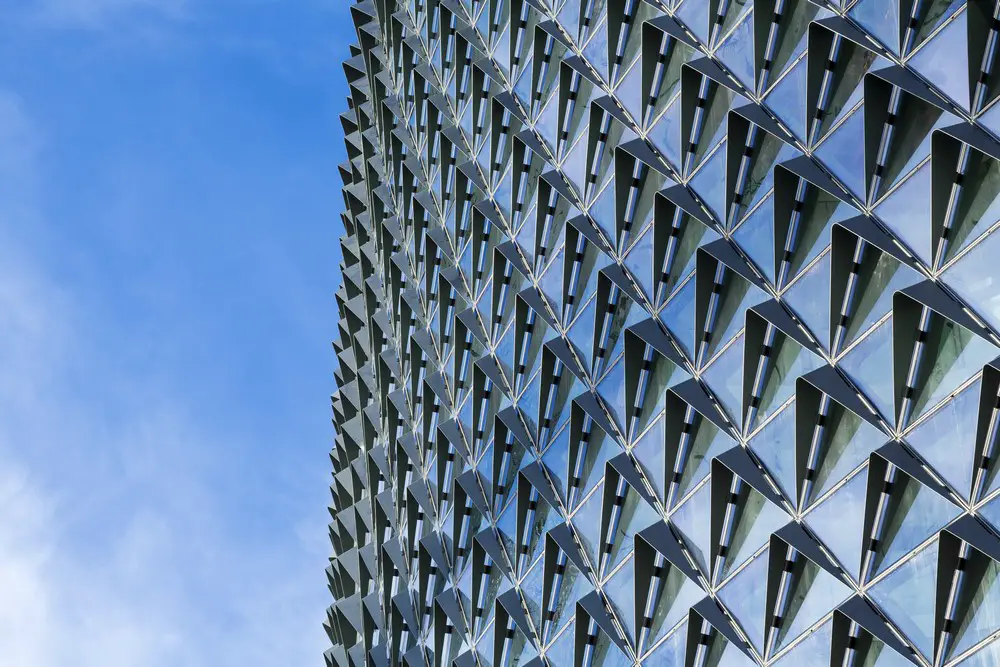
[{"x": 668, "y": 335}]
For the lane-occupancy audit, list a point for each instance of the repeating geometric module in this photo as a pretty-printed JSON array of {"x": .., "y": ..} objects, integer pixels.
[{"x": 669, "y": 335}]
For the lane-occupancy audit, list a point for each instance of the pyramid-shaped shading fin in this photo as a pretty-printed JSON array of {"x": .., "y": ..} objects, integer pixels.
[
  {"x": 637, "y": 180},
  {"x": 565, "y": 581},
  {"x": 538, "y": 512},
  {"x": 775, "y": 354},
  {"x": 648, "y": 374},
  {"x": 618, "y": 306},
  {"x": 756, "y": 145},
  {"x": 894, "y": 98},
  {"x": 666, "y": 586},
  {"x": 512, "y": 450},
  {"x": 967, "y": 579},
  {"x": 696, "y": 432},
  {"x": 681, "y": 225},
  {"x": 986, "y": 432},
  {"x": 861, "y": 634},
  {"x": 913, "y": 506},
  {"x": 936, "y": 348},
  {"x": 745, "y": 511},
  {"x": 491, "y": 577},
  {"x": 628, "y": 508},
  {"x": 710, "y": 632},
  {"x": 726, "y": 288},
  {"x": 807, "y": 204},
  {"x": 802, "y": 586},
  {"x": 835, "y": 432},
  {"x": 594, "y": 627},
  {"x": 967, "y": 169},
  {"x": 592, "y": 443},
  {"x": 514, "y": 638}
]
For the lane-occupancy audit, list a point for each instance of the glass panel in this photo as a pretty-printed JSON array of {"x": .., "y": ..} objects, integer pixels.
[
  {"x": 947, "y": 439},
  {"x": 736, "y": 53},
  {"x": 906, "y": 212},
  {"x": 710, "y": 182},
  {"x": 725, "y": 378},
  {"x": 869, "y": 365},
  {"x": 612, "y": 390},
  {"x": 620, "y": 589},
  {"x": 745, "y": 597},
  {"x": 774, "y": 445},
  {"x": 785, "y": 98},
  {"x": 678, "y": 316},
  {"x": 944, "y": 61},
  {"x": 560, "y": 652},
  {"x": 839, "y": 522},
  {"x": 808, "y": 299},
  {"x": 907, "y": 597},
  {"x": 813, "y": 650},
  {"x": 689, "y": 519},
  {"x": 916, "y": 513},
  {"x": 650, "y": 454},
  {"x": 755, "y": 236},
  {"x": 881, "y": 19},
  {"x": 842, "y": 151},
  {"x": 587, "y": 522},
  {"x": 988, "y": 656},
  {"x": 671, "y": 652},
  {"x": 975, "y": 279}
]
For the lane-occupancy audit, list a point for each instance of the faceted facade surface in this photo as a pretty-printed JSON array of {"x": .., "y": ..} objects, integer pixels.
[{"x": 668, "y": 335}]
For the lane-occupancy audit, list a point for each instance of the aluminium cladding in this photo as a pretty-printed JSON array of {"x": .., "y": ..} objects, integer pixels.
[{"x": 668, "y": 335}]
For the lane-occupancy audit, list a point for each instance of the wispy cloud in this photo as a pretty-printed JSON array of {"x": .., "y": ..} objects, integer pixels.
[{"x": 116, "y": 548}]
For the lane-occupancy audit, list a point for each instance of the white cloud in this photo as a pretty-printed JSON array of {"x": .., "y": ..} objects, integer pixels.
[{"x": 116, "y": 545}]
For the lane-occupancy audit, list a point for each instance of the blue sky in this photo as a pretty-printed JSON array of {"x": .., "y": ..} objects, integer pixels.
[{"x": 169, "y": 212}]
